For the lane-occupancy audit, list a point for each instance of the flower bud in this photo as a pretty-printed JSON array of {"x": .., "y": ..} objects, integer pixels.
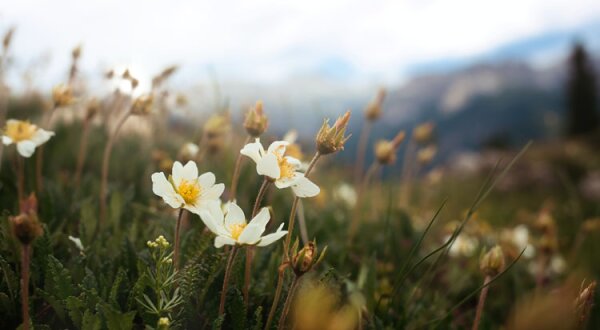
[
  {"x": 331, "y": 139},
  {"x": 385, "y": 150},
  {"x": 142, "y": 105},
  {"x": 374, "y": 109},
  {"x": 585, "y": 301},
  {"x": 423, "y": 133},
  {"x": 163, "y": 323},
  {"x": 62, "y": 96},
  {"x": 188, "y": 151},
  {"x": 256, "y": 122},
  {"x": 426, "y": 155},
  {"x": 92, "y": 109},
  {"x": 8, "y": 38},
  {"x": 26, "y": 226},
  {"x": 492, "y": 263},
  {"x": 76, "y": 52},
  {"x": 305, "y": 259}
]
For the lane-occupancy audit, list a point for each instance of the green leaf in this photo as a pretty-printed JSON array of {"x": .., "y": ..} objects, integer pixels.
[
  {"x": 58, "y": 280},
  {"x": 75, "y": 308},
  {"x": 118, "y": 291},
  {"x": 91, "y": 321},
  {"x": 218, "y": 322},
  {"x": 258, "y": 317},
  {"x": 116, "y": 320},
  {"x": 236, "y": 309}
]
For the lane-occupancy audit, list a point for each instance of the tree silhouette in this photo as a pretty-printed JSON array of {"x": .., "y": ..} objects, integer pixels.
[{"x": 581, "y": 94}]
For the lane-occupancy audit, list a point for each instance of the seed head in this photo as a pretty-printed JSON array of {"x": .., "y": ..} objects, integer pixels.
[
  {"x": 331, "y": 139},
  {"x": 423, "y": 133},
  {"x": 62, "y": 95},
  {"x": 374, "y": 108},
  {"x": 8, "y": 38},
  {"x": 305, "y": 259},
  {"x": 492, "y": 263},
  {"x": 26, "y": 226},
  {"x": 256, "y": 122},
  {"x": 385, "y": 150},
  {"x": 76, "y": 53},
  {"x": 142, "y": 105},
  {"x": 92, "y": 109},
  {"x": 426, "y": 155}
]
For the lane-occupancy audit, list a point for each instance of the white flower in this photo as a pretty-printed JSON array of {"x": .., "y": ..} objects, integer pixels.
[
  {"x": 25, "y": 135},
  {"x": 232, "y": 229},
  {"x": 186, "y": 189},
  {"x": 347, "y": 194},
  {"x": 464, "y": 245},
  {"x": 282, "y": 169}
]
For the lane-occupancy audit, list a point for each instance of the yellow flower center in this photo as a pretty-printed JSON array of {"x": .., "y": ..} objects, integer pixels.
[
  {"x": 189, "y": 191},
  {"x": 19, "y": 130},
  {"x": 236, "y": 230},
  {"x": 286, "y": 169}
]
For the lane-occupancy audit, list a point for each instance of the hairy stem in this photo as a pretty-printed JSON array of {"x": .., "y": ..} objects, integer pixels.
[
  {"x": 226, "y": 279},
  {"x": 82, "y": 151},
  {"x": 25, "y": 285},
  {"x": 481, "y": 303},
  {"x": 288, "y": 302},
  {"x": 177, "y": 241},
  {"x": 286, "y": 245},
  {"x": 361, "y": 152},
  {"x": 236, "y": 173},
  {"x": 361, "y": 190},
  {"x": 20, "y": 176},
  {"x": 250, "y": 249},
  {"x": 105, "y": 163}
]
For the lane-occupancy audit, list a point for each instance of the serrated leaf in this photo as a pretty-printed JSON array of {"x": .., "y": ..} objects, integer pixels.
[
  {"x": 118, "y": 289},
  {"x": 58, "y": 280},
  {"x": 116, "y": 320},
  {"x": 75, "y": 307},
  {"x": 258, "y": 317},
  {"x": 218, "y": 322},
  {"x": 91, "y": 321},
  {"x": 10, "y": 278},
  {"x": 236, "y": 309}
]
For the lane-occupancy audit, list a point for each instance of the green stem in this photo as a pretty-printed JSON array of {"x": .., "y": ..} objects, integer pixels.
[
  {"x": 236, "y": 172},
  {"x": 25, "y": 285}
]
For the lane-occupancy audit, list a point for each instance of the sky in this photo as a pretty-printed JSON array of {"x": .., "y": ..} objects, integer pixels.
[{"x": 269, "y": 41}]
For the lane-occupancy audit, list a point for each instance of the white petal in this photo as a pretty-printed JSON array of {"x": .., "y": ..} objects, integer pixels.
[
  {"x": 262, "y": 218},
  {"x": 253, "y": 150},
  {"x": 190, "y": 171},
  {"x": 268, "y": 239},
  {"x": 41, "y": 136},
  {"x": 212, "y": 193},
  {"x": 282, "y": 183},
  {"x": 211, "y": 206},
  {"x": 234, "y": 216},
  {"x": 206, "y": 180},
  {"x": 294, "y": 162},
  {"x": 211, "y": 223},
  {"x": 177, "y": 173},
  {"x": 26, "y": 148},
  {"x": 163, "y": 188},
  {"x": 268, "y": 166},
  {"x": 251, "y": 234},
  {"x": 278, "y": 148},
  {"x": 305, "y": 188},
  {"x": 6, "y": 140},
  {"x": 223, "y": 240}
]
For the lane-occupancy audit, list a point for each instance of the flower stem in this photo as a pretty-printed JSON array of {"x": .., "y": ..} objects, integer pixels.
[
  {"x": 105, "y": 163},
  {"x": 481, "y": 303},
  {"x": 82, "y": 151},
  {"x": 286, "y": 247},
  {"x": 25, "y": 285},
  {"x": 250, "y": 249},
  {"x": 361, "y": 190},
  {"x": 20, "y": 177},
  {"x": 236, "y": 172},
  {"x": 362, "y": 149},
  {"x": 288, "y": 302},
  {"x": 177, "y": 232},
  {"x": 39, "y": 157},
  {"x": 226, "y": 279}
]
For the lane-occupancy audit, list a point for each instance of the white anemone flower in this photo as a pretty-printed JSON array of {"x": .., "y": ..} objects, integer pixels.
[
  {"x": 232, "y": 228},
  {"x": 25, "y": 135},
  {"x": 185, "y": 189},
  {"x": 280, "y": 168}
]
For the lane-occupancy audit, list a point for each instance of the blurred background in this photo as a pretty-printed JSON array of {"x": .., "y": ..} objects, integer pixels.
[{"x": 486, "y": 73}]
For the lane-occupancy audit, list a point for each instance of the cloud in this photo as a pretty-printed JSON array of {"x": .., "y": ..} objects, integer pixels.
[{"x": 267, "y": 40}]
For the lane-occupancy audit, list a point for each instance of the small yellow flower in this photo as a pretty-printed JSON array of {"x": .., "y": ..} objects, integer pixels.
[{"x": 25, "y": 135}]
